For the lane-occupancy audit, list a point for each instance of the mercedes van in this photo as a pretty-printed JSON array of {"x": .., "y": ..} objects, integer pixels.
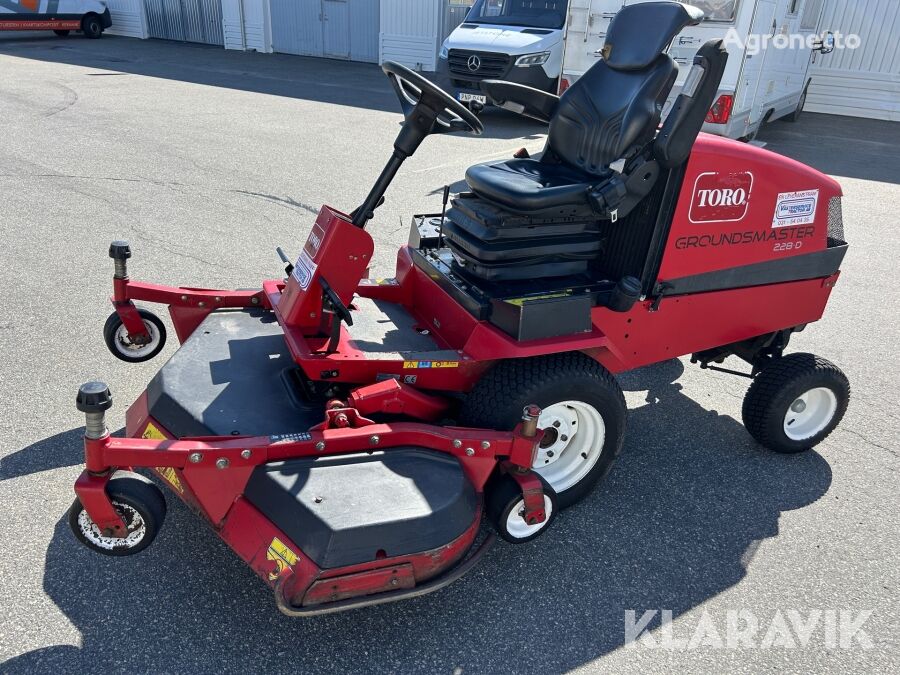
[
  {"x": 91, "y": 17},
  {"x": 515, "y": 40}
]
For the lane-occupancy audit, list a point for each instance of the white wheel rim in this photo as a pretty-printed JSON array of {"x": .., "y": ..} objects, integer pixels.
[
  {"x": 810, "y": 413},
  {"x": 128, "y": 348},
  {"x": 574, "y": 434},
  {"x": 136, "y": 529},
  {"x": 515, "y": 521}
]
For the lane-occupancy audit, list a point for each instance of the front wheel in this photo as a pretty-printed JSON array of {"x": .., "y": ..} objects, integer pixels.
[
  {"x": 115, "y": 334},
  {"x": 795, "y": 403},
  {"x": 505, "y": 507},
  {"x": 139, "y": 503},
  {"x": 583, "y": 416},
  {"x": 91, "y": 26}
]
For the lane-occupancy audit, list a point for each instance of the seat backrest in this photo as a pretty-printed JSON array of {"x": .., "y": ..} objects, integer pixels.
[
  {"x": 676, "y": 138},
  {"x": 613, "y": 110}
]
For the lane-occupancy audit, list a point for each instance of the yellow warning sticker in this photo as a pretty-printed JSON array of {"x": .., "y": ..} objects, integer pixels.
[
  {"x": 168, "y": 474},
  {"x": 153, "y": 432},
  {"x": 282, "y": 556},
  {"x": 549, "y": 296},
  {"x": 430, "y": 364}
]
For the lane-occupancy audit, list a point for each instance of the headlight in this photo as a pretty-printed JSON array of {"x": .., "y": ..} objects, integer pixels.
[
  {"x": 533, "y": 59},
  {"x": 445, "y": 53}
]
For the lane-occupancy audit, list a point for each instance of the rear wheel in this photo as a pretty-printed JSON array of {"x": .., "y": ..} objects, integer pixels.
[
  {"x": 139, "y": 503},
  {"x": 91, "y": 26},
  {"x": 795, "y": 116},
  {"x": 61, "y": 33},
  {"x": 583, "y": 416},
  {"x": 796, "y": 402}
]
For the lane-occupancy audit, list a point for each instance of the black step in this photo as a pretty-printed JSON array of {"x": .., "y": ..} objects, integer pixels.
[
  {"x": 354, "y": 509},
  {"x": 233, "y": 376}
]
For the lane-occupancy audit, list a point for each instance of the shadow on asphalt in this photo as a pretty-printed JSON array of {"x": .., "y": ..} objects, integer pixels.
[
  {"x": 839, "y": 146},
  {"x": 360, "y": 85},
  {"x": 676, "y": 523}
]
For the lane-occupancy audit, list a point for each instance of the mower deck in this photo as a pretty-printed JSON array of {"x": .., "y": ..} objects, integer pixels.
[{"x": 233, "y": 377}]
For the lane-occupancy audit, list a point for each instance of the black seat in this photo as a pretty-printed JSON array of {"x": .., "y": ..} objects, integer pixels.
[
  {"x": 530, "y": 185},
  {"x": 611, "y": 113}
]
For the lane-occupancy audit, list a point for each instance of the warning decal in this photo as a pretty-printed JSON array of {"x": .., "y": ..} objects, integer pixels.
[
  {"x": 282, "y": 556},
  {"x": 168, "y": 474}
]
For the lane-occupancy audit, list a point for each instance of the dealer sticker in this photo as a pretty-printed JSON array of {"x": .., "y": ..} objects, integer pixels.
[
  {"x": 304, "y": 269},
  {"x": 795, "y": 208}
]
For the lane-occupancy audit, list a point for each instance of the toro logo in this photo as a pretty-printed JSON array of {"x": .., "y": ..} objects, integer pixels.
[
  {"x": 721, "y": 197},
  {"x": 314, "y": 241}
]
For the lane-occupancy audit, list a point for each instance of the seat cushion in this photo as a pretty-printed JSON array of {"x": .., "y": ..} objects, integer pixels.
[{"x": 530, "y": 185}]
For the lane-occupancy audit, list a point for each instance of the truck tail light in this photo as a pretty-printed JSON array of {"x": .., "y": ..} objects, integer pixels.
[
  {"x": 720, "y": 113},
  {"x": 563, "y": 85}
]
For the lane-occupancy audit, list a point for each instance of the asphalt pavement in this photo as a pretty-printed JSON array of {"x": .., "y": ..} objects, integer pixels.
[{"x": 206, "y": 160}]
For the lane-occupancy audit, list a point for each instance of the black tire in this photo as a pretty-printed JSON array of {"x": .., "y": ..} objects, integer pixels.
[
  {"x": 119, "y": 349},
  {"x": 795, "y": 116},
  {"x": 497, "y": 401},
  {"x": 502, "y": 495},
  {"x": 779, "y": 387},
  {"x": 62, "y": 33},
  {"x": 134, "y": 496},
  {"x": 91, "y": 26}
]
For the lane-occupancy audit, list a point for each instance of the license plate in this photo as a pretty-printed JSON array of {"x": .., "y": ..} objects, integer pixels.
[{"x": 465, "y": 98}]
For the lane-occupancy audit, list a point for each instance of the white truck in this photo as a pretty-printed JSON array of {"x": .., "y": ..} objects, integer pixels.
[
  {"x": 771, "y": 44},
  {"x": 519, "y": 41},
  {"x": 91, "y": 17}
]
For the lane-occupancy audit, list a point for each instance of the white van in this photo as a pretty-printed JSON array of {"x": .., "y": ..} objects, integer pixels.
[
  {"x": 761, "y": 82},
  {"x": 516, "y": 40},
  {"x": 91, "y": 17}
]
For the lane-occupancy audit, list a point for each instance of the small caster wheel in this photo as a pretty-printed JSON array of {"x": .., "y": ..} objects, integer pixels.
[
  {"x": 91, "y": 26},
  {"x": 122, "y": 347},
  {"x": 795, "y": 403},
  {"x": 505, "y": 508},
  {"x": 140, "y": 504},
  {"x": 62, "y": 33}
]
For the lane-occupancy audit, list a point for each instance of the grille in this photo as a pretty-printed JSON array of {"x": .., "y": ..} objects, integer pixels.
[
  {"x": 835, "y": 223},
  {"x": 490, "y": 64}
]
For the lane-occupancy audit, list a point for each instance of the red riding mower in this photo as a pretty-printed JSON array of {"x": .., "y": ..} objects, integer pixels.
[{"x": 346, "y": 436}]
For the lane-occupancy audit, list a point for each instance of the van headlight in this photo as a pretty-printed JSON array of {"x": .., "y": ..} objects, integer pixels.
[
  {"x": 533, "y": 59},
  {"x": 445, "y": 53}
]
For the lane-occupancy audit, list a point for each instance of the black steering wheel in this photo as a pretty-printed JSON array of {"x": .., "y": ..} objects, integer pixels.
[{"x": 415, "y": 92}]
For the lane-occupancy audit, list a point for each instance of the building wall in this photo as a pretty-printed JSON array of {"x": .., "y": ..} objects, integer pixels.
[
  {"x": 862, "y": 82},
  {"x": 411, "y": 32},
  {"x": 128, "y": 18}
]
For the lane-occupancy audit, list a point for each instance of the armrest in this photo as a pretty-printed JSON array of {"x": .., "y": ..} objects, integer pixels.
[{"x": 520, "y": 99}]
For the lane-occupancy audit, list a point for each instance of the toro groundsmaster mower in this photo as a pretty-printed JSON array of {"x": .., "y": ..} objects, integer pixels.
[{"x": 348, "y": 437}]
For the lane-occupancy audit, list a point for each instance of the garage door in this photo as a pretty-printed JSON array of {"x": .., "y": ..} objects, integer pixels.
[
  {"x": 338, "y": 29},
  {"x": 186, "y": 20},
  {"x": 862, "y": 82}
]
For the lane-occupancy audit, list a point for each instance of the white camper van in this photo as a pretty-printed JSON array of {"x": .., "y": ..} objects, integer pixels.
[
  {"x": 91, "y": 17},
  {"x": 763, "y": 81},
  {"x": 515, "y": 40}
]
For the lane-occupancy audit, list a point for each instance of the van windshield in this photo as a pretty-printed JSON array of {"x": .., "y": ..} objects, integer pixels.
[
  {"x": 530, "y": 13},
  {"x": 714, "y": 10}
]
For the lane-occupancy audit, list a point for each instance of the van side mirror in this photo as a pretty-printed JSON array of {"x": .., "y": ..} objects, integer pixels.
[{"x": 826, "y": 44}]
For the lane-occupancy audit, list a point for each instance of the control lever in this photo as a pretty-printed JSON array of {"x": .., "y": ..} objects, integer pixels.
[
  {"x": 370, "y": 214},
  {"x": 288, "y": 265},
  {"x": 332, "y": 305}
]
